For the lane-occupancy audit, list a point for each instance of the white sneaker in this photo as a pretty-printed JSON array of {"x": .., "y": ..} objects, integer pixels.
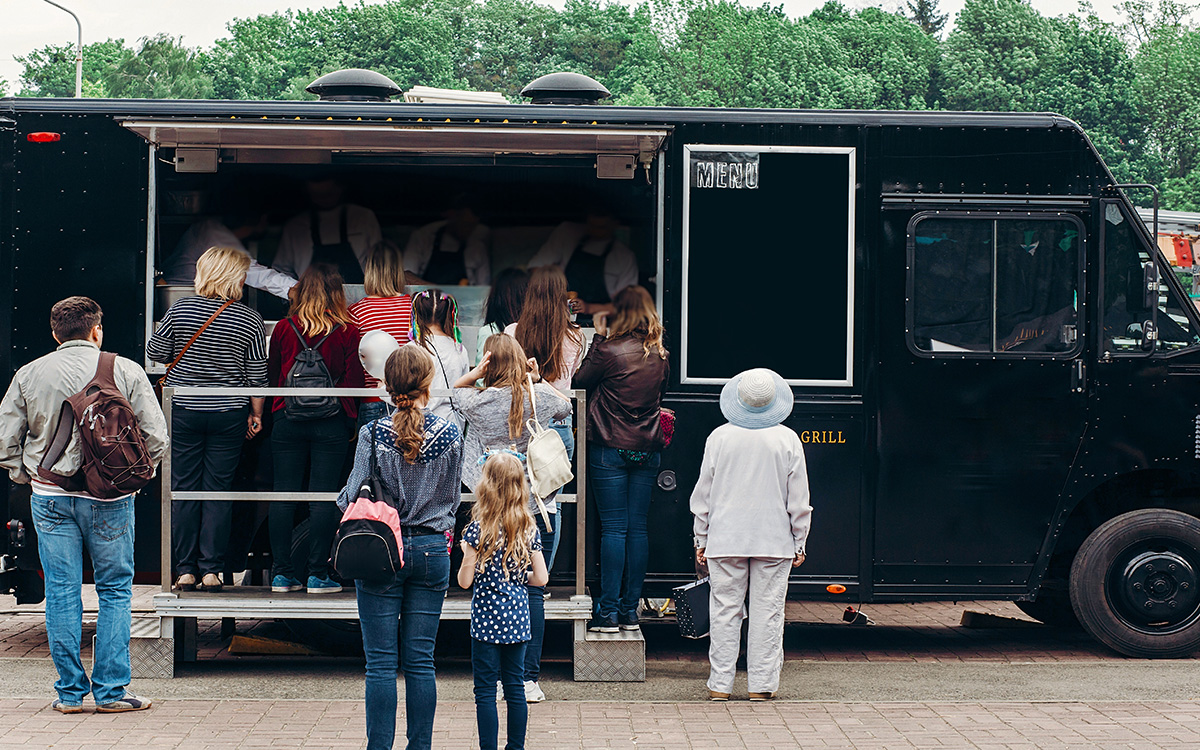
[{"x": 533, "y": 692}]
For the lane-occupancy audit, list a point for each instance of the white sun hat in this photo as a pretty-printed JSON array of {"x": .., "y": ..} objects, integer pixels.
[
  {"x": 374, "y": 350},
  {"x": 756, "y": 398}
]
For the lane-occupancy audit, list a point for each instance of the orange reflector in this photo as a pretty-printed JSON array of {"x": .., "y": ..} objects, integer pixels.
[
  {"x": 43, "y": 137},
  {"x": 836, "y": 588}
]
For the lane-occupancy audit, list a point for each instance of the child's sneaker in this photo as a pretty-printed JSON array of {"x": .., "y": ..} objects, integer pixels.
[
  {"x": 533, "y": 692},
  {"x": 323, "y": 585},
  {"x": 284, "y": 584}
]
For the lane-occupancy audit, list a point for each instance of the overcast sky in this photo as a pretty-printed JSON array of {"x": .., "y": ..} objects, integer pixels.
[{"x": 29, "y": 24}]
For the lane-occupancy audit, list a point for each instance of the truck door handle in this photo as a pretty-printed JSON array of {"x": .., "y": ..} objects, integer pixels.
[{"x": 1078, "y": 370}]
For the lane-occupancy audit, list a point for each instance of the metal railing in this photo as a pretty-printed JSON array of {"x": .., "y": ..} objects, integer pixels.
[{"x": 579, "y": 499}]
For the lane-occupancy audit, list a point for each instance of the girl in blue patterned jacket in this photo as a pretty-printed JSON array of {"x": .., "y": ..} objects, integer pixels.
[{"x": 502, "y": 553}]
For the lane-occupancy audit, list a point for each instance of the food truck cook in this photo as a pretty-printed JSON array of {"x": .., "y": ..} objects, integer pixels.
[
  {"x": 596, "y": 264},
  {"x": 450, "y": 252},
  {"x": 331, "y": 232}
]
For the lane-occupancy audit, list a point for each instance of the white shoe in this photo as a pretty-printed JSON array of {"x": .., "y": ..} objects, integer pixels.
[{"x": 533, "y": 692}]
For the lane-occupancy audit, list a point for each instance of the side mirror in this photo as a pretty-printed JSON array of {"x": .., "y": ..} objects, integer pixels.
[{"x": 1150, "y": 285}]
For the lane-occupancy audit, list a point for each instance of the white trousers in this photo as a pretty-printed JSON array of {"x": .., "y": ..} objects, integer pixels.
[{"x": 766, "y": 578}]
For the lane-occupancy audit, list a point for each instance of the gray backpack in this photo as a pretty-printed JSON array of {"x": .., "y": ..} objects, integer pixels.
[{"x": 309, "y": 371}]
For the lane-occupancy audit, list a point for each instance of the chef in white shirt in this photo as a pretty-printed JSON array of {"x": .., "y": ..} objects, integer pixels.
[
  {"x": 451, "y": 252},
  {"x": 596, "y": 264},
  {"x": 180, "y": 267},
  {"x": 334, "y": 232}
]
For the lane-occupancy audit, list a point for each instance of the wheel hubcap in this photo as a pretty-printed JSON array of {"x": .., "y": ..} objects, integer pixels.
[{"x": 1158, "y": 587}]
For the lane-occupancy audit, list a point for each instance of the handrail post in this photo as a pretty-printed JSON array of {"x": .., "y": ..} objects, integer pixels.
[
  {"x": 165, "y": 470},
  {"x": 581, "y": 495}
]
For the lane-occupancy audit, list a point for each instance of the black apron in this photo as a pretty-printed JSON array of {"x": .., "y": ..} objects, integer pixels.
[
  {"x": 585, "y": 277},
  {"x": 340, "y": 254},
  {"x": 445, "y": 267}
]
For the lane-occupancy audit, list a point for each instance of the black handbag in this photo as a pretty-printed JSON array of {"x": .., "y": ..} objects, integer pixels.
[{"x": 691, "y": 608}]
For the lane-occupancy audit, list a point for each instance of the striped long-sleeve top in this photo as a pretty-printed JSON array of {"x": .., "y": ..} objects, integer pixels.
[{"x": 231, "y": 352}]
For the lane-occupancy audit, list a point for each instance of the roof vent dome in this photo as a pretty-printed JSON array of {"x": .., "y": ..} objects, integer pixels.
[
  {"x": 353, "y": 85},
  {"x": 565, "y": 88}
]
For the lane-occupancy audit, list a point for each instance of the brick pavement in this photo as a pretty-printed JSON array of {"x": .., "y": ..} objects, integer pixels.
[{"x": 217, "y": 725}]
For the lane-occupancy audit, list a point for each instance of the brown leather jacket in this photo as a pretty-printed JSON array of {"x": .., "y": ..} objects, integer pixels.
[{"x": 625, "y": 388}]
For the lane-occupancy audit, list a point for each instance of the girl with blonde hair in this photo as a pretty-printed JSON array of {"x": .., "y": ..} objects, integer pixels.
[
  {"x": 502, "y": 555},
  {"x": 207, "y": 432},
  {"x": 418, "y": 460},
  {"x": 311, "y": 433},
  {"x": 497, "y": 414},
  {"x": 625, "y": 375}
]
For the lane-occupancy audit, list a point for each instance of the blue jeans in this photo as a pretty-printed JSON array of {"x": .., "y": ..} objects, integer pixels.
[
  {"x": 65, "y": 527},
  {"x": 369, "y": 411},
  {"x": 414, "y": 599},
  {"x": 491, "y": 662},
  {"x": 622, "y": 491},
  {"x": 537, "y": 604},
  {"x": 566, "y": 430}
]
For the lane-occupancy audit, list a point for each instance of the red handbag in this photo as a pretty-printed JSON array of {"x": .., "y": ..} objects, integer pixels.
[{"x": 666, "y": 420}]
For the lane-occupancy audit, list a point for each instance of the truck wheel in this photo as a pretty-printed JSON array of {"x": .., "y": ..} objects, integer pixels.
[
  {"x": 1053, "y": 605},
  {"x": 1135, "y": 584}
]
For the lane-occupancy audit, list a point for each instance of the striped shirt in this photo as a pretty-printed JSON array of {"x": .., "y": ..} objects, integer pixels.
[
  {"x": 392, "y": 315},
  {"x": 231, "y": 352}
]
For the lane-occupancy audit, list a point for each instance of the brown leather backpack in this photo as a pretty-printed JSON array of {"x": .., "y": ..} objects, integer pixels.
[{"x": 115, "y": 459}]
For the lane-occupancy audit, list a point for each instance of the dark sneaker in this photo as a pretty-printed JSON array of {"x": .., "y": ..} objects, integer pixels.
[
  {"x": 129, "y": 702},
  {"x": 66, "y": 708},
  {"x": 603, "y": 624},
  {"x": 284, "y": 584},
  {"x": 323, "y": 585},
  {"x": 629, "y": 622}
]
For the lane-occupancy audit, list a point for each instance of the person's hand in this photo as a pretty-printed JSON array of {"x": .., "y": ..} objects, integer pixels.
[
  {"x": 700, "y": 558},
  {"x": 534, "y": 370},
  {"x": 798, "y": 560},
  {"x": 600, "y": 322},
  {"x": 480, "y": 368},
  {"x": 253, "y": 426},
  {"x": 576, "y": 305}
]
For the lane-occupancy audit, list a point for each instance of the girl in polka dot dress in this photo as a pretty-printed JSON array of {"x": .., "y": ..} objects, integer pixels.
[{"x": 502, "y": 553}]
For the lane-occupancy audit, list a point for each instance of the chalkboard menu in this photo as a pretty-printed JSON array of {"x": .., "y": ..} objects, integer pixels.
[{"x": 768, "y": 263}]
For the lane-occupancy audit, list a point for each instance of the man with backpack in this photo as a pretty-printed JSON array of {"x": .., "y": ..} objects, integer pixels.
[{"x": 85, "y": 469}]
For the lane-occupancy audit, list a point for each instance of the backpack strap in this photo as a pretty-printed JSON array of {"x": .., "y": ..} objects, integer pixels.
[
  {"x": 104, "y": 376},
  {"x": 300, "y": 336},
  {"x": 192, "y": 340}
]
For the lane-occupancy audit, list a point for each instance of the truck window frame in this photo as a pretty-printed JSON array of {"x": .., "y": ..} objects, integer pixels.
[
  {"x": 851, "y": 154},
  {"x": 1044, "y": 215},
  {"x": 1166, "y": 274}
]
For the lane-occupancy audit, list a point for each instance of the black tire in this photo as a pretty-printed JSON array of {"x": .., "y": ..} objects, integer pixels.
[
  {"x": 1053, "y": 605},
  {"x": 1135, "y": 584}
]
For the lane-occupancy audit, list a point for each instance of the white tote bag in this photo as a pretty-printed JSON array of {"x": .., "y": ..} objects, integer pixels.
[{"x": 547, "y": 460}]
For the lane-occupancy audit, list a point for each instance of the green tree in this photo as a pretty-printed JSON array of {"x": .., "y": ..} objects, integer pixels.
[
  {"x": 162, "y": 68},
  {"x": 995, "y": 55},
  {"x": 924, "y": 13},
  {"x": 50, "y": 70}
]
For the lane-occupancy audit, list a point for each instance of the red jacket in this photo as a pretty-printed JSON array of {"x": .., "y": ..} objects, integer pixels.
[{"x": 339, "y": 350}]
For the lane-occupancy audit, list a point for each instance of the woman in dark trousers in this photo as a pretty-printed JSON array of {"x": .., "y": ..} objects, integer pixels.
[
  {"x": 625, "y": 374},
  {"x": 207, "y": 432},
  {"x": 419, "y": 459},
  {"x": 312, "y": 435}
]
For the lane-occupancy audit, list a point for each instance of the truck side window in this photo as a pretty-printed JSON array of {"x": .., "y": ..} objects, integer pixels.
[
  {"x": 995, "y": 284},
  {"x": 1125, "y": 308}
]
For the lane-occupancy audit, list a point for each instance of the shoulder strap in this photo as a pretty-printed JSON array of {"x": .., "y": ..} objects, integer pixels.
[
  {"x": 65, "y": 428},
  {"x": 192, "y": 340},
  {"x": 535, "y": 427}
]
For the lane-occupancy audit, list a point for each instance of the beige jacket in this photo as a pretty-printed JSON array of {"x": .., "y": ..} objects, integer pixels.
[{"x": 29, "y": 412}]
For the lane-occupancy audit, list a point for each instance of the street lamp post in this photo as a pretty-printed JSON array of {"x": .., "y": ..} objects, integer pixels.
[{"x": 78, "y": 50}]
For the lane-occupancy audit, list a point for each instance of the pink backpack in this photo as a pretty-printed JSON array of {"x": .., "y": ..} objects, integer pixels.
[{"x": 368, "y": 544}]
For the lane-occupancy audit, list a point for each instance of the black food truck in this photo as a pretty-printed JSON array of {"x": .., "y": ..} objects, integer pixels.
[{"x": 996, "y": 381}]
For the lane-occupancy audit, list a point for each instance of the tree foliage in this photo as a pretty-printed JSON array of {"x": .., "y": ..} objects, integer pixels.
[{"x": 1135, "y": 88}]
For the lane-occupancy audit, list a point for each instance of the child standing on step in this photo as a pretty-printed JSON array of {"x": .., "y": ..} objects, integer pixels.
[{"x": 502, "y": 553}]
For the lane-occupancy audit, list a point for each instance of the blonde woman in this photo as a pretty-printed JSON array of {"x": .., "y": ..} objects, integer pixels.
[
  {"x": 311, "y": 433},
  {"x": 625, "y": 374},
  {"x": 387, "y": 307},
  {"x": 207, "y": 431},
  {"x": 502, "y": 554},
  {"x": 419, "y": 459}
]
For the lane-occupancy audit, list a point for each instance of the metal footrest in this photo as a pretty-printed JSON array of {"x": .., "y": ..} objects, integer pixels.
[
  {"x": 151, "y": 655},
  {"x": 609, "y": 657}
]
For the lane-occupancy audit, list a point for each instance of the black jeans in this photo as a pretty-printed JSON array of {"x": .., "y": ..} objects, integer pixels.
[
  {"x": 319, "y": 445},
  {"x": 205, "y": 449}
]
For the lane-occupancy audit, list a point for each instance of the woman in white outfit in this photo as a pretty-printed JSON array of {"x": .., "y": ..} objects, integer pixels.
[{"x": 752, "y": 519}]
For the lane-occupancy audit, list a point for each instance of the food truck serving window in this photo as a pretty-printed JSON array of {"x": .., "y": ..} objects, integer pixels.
[
  {"x": 768, "y": 263},
  {"x": 988, "y": 283}
]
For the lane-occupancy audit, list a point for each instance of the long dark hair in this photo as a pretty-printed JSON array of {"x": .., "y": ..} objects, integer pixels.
[
  {"x": 437, "y": 307},
  {"x": 545, "y": 321},
  {"x": 507, "y": 297}
]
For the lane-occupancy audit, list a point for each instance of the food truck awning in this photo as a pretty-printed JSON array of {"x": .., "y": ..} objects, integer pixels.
[{"x": 407, "y": 137}]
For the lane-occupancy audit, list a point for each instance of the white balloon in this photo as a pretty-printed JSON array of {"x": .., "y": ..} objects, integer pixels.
[{"x": 374, "y": 350}]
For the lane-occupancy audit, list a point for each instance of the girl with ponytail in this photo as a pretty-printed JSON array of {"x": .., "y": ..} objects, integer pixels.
[
  {"x": 419, "y": 463},
  {"x": 435, "y": 329}
]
